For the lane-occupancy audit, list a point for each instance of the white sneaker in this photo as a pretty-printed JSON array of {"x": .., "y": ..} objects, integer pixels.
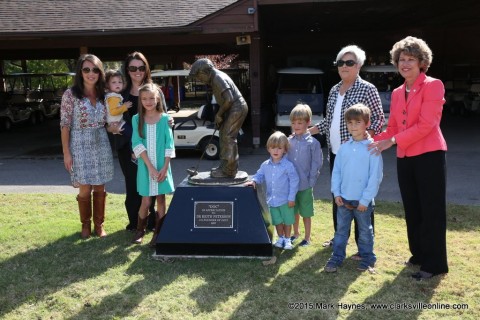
[
  {"x": 280, "y": 242},
  {"x": 288, "y": 244}
]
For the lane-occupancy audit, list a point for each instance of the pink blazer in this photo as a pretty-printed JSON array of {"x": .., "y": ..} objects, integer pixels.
[{"x": 415, "y": 123}]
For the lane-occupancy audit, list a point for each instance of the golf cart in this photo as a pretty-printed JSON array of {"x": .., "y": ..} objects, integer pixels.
[
  {"x": 385, "y": 78},
  {"x": 462, "y": 86},
  {"x": 472, "y": 99},
  {"x": 53, "y": 87},
  {"x": 171, "y": 89},
  {"x": 15, "y": 103},
  {"x": 298, "y": 85},
  {"x": 39, "y": 92},
  {"x": 195, "y": 132}
]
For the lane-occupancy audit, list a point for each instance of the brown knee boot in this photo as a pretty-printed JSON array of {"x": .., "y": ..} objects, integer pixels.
[
  {"x": 85, "y": 209},
  {"x": 158, "y": 225},
  {"x": 99, "y": 213},
  {"x": 141, "y": 225}
]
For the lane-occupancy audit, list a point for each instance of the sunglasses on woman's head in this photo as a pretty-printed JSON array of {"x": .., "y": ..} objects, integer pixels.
[
  {"x": 349, "y": 63},
  {"x": 94, "y": 70},
  {"x": 134, "y": 68}
]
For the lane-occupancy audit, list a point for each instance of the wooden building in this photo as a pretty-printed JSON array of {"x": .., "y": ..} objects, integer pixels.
[{"x": 268, "y": 34}]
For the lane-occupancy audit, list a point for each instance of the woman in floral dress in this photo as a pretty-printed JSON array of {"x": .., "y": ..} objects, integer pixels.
[{"x": 86, "y": 150}]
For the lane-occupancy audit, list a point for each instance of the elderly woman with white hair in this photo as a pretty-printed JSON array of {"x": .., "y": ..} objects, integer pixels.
[{"x": 351, "y": 89}]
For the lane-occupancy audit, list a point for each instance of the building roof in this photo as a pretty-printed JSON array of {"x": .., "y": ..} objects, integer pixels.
[{"x": 49, "y": 16}]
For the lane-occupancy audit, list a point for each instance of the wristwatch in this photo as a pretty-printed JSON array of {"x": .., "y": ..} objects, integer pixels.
[{"x": 393, "y": 140}]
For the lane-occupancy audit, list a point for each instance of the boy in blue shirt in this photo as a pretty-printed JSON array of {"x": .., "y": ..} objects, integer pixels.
[
  {"x": 281, "y": 181},
  {"x": 306, "y": 155},
  {"x": 356, "y": 177}
]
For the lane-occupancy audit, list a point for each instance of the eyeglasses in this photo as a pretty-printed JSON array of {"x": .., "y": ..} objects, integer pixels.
[
  {"x": 87, "y": 70},
  {"x": 349, "y": 63},
  {"x": 134, "y": 69}
]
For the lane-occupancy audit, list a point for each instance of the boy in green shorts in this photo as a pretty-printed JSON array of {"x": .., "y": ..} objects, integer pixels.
[
  {"x": 281, "y": 181},
  {"x": 306, "y": 155}
]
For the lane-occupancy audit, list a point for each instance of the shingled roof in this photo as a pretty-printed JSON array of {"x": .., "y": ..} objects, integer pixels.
[{"x": 49, "y": 16}]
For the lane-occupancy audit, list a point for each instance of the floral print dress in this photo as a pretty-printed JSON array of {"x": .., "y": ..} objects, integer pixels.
[{"x": 89, "y": 144}]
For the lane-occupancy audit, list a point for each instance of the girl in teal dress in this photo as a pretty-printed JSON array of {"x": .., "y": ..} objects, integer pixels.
[{"x": 152, "y": 143}]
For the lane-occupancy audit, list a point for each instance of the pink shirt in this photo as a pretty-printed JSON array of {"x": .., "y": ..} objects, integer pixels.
[{"x": 415, "y": 122}]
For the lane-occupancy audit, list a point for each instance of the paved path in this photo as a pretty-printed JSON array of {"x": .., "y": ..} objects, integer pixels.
[{"x": 31, "y": 162}]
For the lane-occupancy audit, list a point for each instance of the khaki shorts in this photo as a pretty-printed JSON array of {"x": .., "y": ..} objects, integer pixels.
[
  {"x": 282, "y": 215},
  {"x": 304, "y": 203}
]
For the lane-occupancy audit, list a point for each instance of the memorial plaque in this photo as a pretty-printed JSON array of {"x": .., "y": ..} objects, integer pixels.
[
  {"x": 215, "y": 221},
  {"x": 209, "y": 214}
]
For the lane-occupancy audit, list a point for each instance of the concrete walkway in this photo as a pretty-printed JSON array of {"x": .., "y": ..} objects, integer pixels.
[{"x": 31, "y": 162}]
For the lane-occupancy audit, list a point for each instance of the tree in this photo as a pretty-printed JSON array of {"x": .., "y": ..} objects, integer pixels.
[
  {"x": 220, "y": 61},
  {"x": 39, "y": 66}
]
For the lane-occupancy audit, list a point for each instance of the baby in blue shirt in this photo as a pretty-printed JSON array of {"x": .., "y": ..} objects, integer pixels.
[
  {"x": 281, "y": 181},
  {"x": 356, "y": 178}
]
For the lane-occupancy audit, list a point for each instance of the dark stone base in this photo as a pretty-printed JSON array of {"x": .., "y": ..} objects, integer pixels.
[
  {"x": 192, "y": 229},
  {"x": 215, "y": 250}
]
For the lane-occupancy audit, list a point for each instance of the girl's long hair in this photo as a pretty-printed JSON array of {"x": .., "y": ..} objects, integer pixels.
[
  {"x": 160, "y": 106},
  {"x": 78, "y": 88}
]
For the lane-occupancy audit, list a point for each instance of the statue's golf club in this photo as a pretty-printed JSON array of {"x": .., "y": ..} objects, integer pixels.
[{"x": 193, "y": 171}]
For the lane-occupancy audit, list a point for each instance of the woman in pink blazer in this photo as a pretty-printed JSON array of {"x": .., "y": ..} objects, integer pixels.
[{"x": 414, "y": 126}]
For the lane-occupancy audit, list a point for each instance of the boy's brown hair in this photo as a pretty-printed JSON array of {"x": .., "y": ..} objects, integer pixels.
[
  {"x": 278, "y": 139},
  {"x": 358, "y": 111}
]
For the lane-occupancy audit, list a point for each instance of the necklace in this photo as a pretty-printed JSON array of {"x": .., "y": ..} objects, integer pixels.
[{"x": 407, "y": 89}]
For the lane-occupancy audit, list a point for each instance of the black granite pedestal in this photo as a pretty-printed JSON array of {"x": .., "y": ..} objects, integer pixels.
[{"x": 215, "y": 221}]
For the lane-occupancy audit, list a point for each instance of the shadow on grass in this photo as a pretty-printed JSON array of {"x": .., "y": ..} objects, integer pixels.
[
  {"x": 392, "y": 301},
  {"x": 155, "y": 276},
  {"x": 218, "y": 274},
  {"x": 50, "y": 268},
  {"x": 290, "y": 294},
  {"x": 266, "y": 290},
  {"x": 226, "y": 283}
]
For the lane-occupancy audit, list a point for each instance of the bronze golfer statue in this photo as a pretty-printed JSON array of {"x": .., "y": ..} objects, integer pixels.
[{"x": 229, "y": 118}]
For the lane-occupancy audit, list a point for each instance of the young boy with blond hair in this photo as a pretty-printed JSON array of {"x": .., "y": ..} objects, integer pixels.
[
  {"x": 281, "y": 181},
  {"x": 356, "y": 178},
  {"x": 306, "y": 155}
]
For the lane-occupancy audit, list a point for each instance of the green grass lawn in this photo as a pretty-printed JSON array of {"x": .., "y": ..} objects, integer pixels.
[{"x": 47, "y": 272}]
